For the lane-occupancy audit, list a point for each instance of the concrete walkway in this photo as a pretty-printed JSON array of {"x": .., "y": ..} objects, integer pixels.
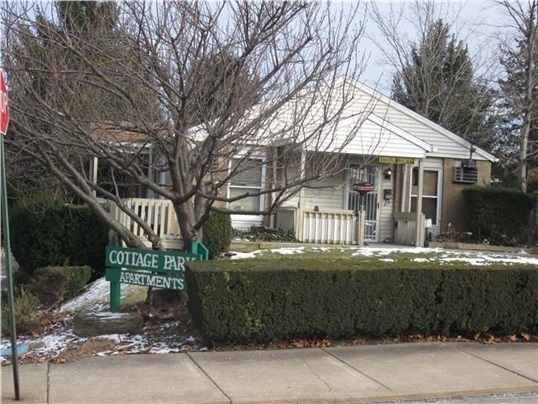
[{"x": 361, "y": 374}]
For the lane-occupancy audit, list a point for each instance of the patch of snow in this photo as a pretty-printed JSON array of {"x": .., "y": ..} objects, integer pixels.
[
  {"x": 322, "y": 249},
  {"x": 288, "y": 251},
  {"x": 420, "y": 260},
  {"x": 386, "y": 259},
  {"x": 110, "y": 315},
  {"x": 96, "y": 298},
  {"x": 472, "y": 261},
  {"x": 242, "y": 255}
]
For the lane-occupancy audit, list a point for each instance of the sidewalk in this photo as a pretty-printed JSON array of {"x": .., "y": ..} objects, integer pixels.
[{"x": 361, "y": 374}]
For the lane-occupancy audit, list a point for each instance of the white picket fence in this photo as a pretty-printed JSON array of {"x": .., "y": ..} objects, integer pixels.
[
  {"x": 158, "y": 214},
  {"x": 323, "y": 227},
  {"x": 310, "y": 226}
]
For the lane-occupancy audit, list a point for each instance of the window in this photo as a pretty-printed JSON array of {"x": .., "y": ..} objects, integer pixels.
[
  {"x": 248, "y": 178},
  {"x": 430, "y": 195}
]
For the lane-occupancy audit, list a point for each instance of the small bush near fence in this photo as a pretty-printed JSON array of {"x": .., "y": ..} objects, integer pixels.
[
  {"x": 263, "y": 300},
  {"x": 52, "y": 285},
  {"x": 499, "y": 215},
  {"x": 217, "y": 233},
  {"x": 47, "y": 232}
]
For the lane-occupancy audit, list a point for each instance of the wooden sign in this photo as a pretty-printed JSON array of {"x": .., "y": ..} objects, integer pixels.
[
  {"x": 151, "y": 268},
  {"x": 395, "y": 160}
]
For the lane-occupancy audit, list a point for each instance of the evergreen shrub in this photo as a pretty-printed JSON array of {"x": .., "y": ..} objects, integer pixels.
[
  {"x": 245, "y": 301},
  {"x": 50, "y": 232},
  {"x": 217, "y": 233},
  {"x": 499, "y": 215}
]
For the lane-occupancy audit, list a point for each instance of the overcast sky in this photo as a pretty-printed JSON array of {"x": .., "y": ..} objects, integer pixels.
[{"x": 477, "y": 23}]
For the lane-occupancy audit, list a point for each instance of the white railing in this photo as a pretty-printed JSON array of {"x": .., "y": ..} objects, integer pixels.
[
  {"x": 158, "y": 214},
  {"x": 324, "y": 227}
]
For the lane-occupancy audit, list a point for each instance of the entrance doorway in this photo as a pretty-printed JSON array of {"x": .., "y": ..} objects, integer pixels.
[
  {"x": 431, "y": 201},
  {"x": 368, "y": 202}
]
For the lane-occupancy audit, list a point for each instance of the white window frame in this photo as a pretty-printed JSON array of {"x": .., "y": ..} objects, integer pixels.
[
  {"x": 437, "y": 226},
  {"x": 259, "y": 156}
]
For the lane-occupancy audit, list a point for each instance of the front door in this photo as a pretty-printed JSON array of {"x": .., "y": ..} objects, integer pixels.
[
  {"x": 368, "y": 202},
  {"x": 431, "y": 198}
]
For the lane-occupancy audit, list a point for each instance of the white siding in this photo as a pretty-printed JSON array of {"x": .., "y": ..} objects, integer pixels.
[
  {"x": 409, "y": 121},
  {"x": 370, "y": 139},
  {"x": 327, "y": 198}
]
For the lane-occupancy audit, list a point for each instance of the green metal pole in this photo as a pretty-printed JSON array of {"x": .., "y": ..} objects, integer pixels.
[
  {"x": 7, "y": 251},
  {"x": 115, "y": 297}
]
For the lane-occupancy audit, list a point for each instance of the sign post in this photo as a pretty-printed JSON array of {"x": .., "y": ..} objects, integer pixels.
[{"x": 4, "y": 120}]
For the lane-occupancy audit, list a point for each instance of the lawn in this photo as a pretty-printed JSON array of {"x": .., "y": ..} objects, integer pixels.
[{"x": 386, "y": 253}]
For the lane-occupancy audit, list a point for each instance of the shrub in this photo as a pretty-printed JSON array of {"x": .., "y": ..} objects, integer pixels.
[
  {"x": 48, "y": 232},
  {"x": 52, "y": 285},
  {"x": 27, "y": 313},
  {"x": 262, "y": 300},
  {"x": 217, "y": 233},
  {"x": 268, "y": 235},
  {"x": 499, "y": 215}
]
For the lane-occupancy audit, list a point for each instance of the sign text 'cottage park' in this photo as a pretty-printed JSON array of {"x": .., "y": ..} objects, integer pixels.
[{"x": 159, "y": 269}]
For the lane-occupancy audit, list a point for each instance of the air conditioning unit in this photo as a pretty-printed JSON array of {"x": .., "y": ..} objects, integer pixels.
[{"x": 467, "y": 175}]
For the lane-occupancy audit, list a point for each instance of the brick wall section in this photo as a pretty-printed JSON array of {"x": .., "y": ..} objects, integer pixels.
[{"x": 452, "y": 210}]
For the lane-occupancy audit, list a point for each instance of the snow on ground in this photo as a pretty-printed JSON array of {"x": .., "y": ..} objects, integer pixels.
[
  {"x": 60, "y": 338},
  {"x": 96, "y": 297}
]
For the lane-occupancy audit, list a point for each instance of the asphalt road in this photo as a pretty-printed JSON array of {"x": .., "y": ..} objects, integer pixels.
[{"x": 503, "y": 399}]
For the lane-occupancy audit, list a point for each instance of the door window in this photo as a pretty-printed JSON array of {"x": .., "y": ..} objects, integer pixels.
[{"x": 430, "y": 196}]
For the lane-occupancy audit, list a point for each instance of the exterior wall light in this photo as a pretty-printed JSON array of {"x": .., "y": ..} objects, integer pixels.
[{"x": 388, "y": 173}]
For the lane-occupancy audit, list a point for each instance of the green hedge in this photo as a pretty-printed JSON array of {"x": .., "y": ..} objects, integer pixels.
[
  {"x": 52, "y": 233},
  {"x": 217, "y": 233},
  {"x": 499, "y": 215},
  {"x": 262, "y": 300}
]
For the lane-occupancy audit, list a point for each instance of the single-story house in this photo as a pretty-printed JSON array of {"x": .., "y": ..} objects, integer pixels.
[{"x": 399, "y": 161}]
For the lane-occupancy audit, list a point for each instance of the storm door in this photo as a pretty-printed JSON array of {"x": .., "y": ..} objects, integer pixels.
[{"x": 368, "y": 202}]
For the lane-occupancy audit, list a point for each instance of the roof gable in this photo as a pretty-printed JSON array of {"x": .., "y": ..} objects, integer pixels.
[{"x": 460, "y": 148}]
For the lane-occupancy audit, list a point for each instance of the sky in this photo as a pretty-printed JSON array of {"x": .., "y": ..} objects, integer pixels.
[{"x": 477, "y": 23}]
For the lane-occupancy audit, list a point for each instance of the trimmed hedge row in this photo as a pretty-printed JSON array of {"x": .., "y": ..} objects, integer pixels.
[
  {"x": 263, "y": 300},
  {"x": 498, "y": 214}
]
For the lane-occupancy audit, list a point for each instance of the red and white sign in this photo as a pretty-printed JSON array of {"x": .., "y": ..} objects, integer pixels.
[
  {"x": 4, "y": 109},
  {"x": 363, "y": 187}
]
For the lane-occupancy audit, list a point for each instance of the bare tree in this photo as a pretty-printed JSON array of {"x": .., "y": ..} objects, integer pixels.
[
  {"x": 196, "y": 90},
  {"x": 519, "y": 87}
]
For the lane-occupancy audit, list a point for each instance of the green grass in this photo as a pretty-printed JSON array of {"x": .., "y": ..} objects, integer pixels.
[{"x": 343, "y": 252}]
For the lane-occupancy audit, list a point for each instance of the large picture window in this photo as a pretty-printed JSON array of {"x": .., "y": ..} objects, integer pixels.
[{"x": 249, "y": 178}]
